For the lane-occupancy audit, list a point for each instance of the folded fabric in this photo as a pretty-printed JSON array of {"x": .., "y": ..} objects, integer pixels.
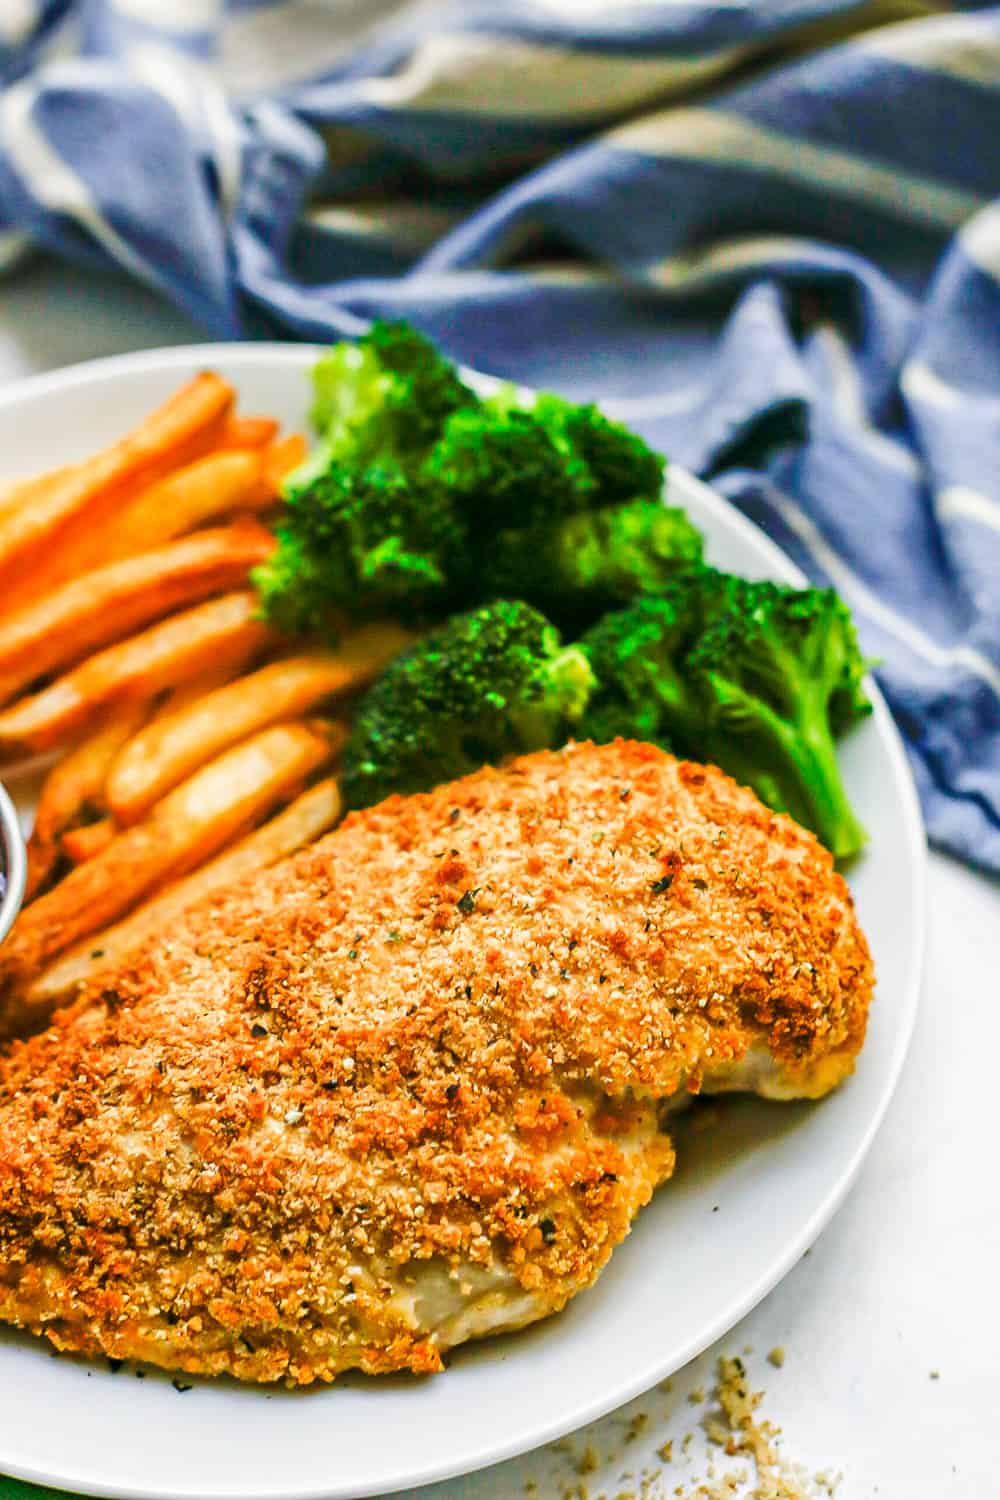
[{"x": 760, "y": 231}]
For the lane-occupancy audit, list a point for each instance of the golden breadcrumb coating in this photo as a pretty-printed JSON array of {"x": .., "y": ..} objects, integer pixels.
[{"x": 409, "y": 1086}]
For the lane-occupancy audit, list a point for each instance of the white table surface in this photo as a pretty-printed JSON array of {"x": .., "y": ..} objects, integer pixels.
[{"x": 903, "y": 1283}]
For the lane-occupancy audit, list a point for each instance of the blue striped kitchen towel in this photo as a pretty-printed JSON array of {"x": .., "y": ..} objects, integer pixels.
[{"x": 760, "y": 230}]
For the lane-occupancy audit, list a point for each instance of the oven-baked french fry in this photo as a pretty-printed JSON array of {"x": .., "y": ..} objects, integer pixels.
[
  {"x": 12, "y": 493},
  {"x": 248, "y": 432},
  {"x": 171, "y": 747},
  {"x": 74, "y": 786},
  {"x": 171, "y": 652},
  {"x": 189, "y": 692},
  {"x": 309, "y": 816},
  {"x": 224, "y": 483},
  {"x": 281, "y": 458},
  {"x": 39, "y": 541},
  {"x": 216, "y": 485},
  {"x": 114, "y": 601},
  {"x": 81, "y": 844},
  {"x": 17, "y": 492},
  {"x": 185, "y": 829}
]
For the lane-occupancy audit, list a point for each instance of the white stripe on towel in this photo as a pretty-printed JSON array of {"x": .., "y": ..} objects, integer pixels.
[{"x": 710, "y": 135}]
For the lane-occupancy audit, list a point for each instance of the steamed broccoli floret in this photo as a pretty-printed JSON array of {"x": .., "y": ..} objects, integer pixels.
[
  {"x": 363, "y": 531},
  {"x": 754, "y": 676},
  {"x": 621, "y": 464},
  {"x": 561, "y": 504},
  {"x": 514, "y": 464},
  {"x": 578, "y": 567},
  {"x": 420, "y": 498},
  {"x": 389, "y": 393},
  {"x": 768, "y": 673},
  {"x": 488, "y": 684},
  {"x": 637, "y": 655},
  {"x": 438, "y": 474},
  {"x": 502, "y": 467},
  {"x": 356, "y": 541}
]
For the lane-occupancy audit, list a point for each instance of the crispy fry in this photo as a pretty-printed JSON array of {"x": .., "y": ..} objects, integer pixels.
[
  {"x": 223, "y": 483},
  {"x": 306, "y": 819},
  {"x": 170, "y": 748},
  {"x": 248, "y": 432},
  {"x": 281, "y": 458},
  {"x": 72, "y": 787},
  {"x": 17, "y": 492},
  {"x": 184, "y": 830},
  {"x": 171, "y": 652},
  {"x": 111, "y": 602},
  {"x": 39, "y": 542},
  {"x": 214, "y": 486},
  {"x": 187, "y": 693},
  {"x": 12, "y": 494},
  {"x": 81, "y": 844}
]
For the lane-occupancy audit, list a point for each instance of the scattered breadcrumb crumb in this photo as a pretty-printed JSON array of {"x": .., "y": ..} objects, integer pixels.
[
  {"x": 735, "y": 1428},
  {"x": 587, "y": 1462},
  {"x": 732, "y": 1424}
]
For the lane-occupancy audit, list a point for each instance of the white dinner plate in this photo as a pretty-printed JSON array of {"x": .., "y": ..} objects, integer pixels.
[{"x": 748, "y": 1198}]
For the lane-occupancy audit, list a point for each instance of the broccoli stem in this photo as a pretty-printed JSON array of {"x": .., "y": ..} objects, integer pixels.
[
  {"x": 803, "y": 763},
  {"x": 829, "y": 808},
  {"x": 814, "y": 790}
]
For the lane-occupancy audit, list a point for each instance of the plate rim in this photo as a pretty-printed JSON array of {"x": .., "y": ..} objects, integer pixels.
[{"x": 300, "y": 355}]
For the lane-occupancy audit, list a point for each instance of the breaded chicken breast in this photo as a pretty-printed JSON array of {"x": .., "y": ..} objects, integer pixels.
[{"x": 409, "y": 1087}]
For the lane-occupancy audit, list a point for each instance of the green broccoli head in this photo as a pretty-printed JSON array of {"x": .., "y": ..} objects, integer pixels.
[
  {"x": 488, "y": 684},
  {"x": 358, "y": 541},
  {"x": 502, "y": 467},
  {"x": 291, "y": 587},
  {"x": 389, "y": 393},
  {"x": 754, "y": 676},
  {"x": 636, "y": 655},
  {"x": 513, "y": 464},
  {"x": 577, "y": 567},
  {"x": 622, "y": 465},
  {"x": 401, "y": 434},
  {"x": 769, "y": 671}
]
